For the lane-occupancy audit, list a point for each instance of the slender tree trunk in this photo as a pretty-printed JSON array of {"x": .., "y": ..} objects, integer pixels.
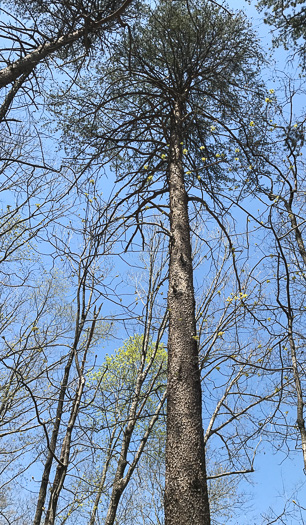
[
  {"x": 295, "y": 367},
  {"x": 186, "y": 496},
  {"x": 121, "y": 479},
  {"x": 61, "y": 470},
  {"x": 288, "y": 310},
  {"x": 109, "y": 456},
  {"x": 52, "y": 447},
  {"x": 62, "y": 467}
]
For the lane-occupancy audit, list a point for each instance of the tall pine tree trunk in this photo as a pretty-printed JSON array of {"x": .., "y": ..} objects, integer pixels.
[{"x": 186, "y": 497}]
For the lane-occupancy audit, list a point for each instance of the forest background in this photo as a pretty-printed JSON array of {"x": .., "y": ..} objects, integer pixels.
[{"x": 84, "y": 263}]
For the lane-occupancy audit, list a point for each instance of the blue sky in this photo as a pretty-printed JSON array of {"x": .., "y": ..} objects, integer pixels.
[{"x": 277, "y": 478}]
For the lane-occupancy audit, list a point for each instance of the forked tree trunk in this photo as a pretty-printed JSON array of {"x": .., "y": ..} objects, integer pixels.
[
  {"x": 53, "y": 442},
  {"x": 186, "y": 497}
]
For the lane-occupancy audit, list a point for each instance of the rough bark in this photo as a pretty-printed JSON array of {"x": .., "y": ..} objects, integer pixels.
[{"x": 186, "y": 496}]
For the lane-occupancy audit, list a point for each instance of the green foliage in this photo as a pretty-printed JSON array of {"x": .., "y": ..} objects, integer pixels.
[
  {"x": 197, "y": 54},
  {"x": 137, "y": 360},
  {"x": 133, "y": 376},
  {"x": 122, "y": 366},
  {"x": 62, "y": 15},
  {"x": 49, "y": 21}
]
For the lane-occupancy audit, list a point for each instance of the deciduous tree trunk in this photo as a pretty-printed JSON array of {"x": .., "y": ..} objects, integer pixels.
[
  {"x": 52, "y": 446},
  {"x": 186, "y": 497}
]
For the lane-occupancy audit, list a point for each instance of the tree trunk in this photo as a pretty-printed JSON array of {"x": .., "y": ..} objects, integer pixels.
[
  {"x": 52, "y": 447},
  {"x": 61, "y": 470},
  {"x": 186, "y": 497}
]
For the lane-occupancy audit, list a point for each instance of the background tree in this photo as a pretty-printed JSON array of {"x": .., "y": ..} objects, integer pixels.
[
  {"x": 45, "y": 354},
  {"x": 122, "y": 401},
  {"x": 281, "y": 191}
]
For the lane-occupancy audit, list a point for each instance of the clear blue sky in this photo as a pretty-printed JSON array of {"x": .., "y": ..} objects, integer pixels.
[{"x": 277, "y": 480}]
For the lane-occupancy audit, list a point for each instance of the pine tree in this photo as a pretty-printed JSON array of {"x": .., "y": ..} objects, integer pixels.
[{"x": 169, "y": 99}]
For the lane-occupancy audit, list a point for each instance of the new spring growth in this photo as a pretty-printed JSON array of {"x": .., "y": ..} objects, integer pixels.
[{"x": 236, "y": 297}]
